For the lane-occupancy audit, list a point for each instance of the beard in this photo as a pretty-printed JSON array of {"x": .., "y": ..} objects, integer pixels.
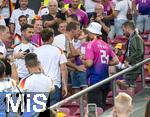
[{"x": 127, "y": 34}]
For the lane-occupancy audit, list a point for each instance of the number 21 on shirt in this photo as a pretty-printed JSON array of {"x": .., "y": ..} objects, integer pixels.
[{"x": 104, "y": 57}]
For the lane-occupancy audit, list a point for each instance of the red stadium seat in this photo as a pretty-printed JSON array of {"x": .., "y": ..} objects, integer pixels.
[
  {"x": 74, "y": 106},
  {"x": 64, "y": 110},
  {"x": 147, "y": 32},
  {"x": 99, "y": 111}
]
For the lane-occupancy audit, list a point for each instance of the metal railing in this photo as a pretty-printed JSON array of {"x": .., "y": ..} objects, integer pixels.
[{"x": 111, "y": 78}]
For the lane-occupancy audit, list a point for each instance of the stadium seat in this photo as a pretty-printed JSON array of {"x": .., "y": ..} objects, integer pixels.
[
  {"x": 73, "y": 106},
  {"x": 99, "y": 111},
  {"x": 145, "y": 36},
  {"x": 120, "y": 37},
  {"x": 64, "y": 110},
  {"x": 147, "y": 32}
]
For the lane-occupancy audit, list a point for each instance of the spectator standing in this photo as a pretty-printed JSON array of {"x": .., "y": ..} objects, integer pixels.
[
  {"x": 53, "y": 17},
  {"x": 89, "y": 7},
  {"x": 17, "y": 37},
  {"x": 7, "y": 85},
  {"x": 22, "y": 49},
  {"x": 78, "y": 80},
  {"x": 98, "y": 58},
  {"x": 37, "y": 23},
  {"x": 142, "y": 10},
  {"x": 134, "y": 52},
  {"x": 4, "y": 35},
  {"x": 6, "y": 8},
  {"x": 34, "y": 6},
  {"x": 120, "y": 14},
  {"x": 31, "y": 83},
  {"x": 22, "y": 10},
  {"x": 60, "y": 40},
  {"x": 108, "y": 14},
  {"x": 37, "y": 76},
  {"x": 53, "y": 61},
  {"x": 81, "y": 15},
  {"x": 100, "y": 18}
]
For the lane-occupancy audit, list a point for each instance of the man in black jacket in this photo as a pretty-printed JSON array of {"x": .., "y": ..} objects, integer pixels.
[{"x": 134, "y": 52}]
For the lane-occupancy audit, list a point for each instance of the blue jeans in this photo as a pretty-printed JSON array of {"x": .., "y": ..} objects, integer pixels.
[
  {"x": 55, "y": 96},
  {"x": 143, "y": 22},
  {"x": 118, "y": 26},
  {"x": 79, "y": 79}
]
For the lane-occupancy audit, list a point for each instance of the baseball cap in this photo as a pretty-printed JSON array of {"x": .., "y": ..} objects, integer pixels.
[
  {"x": 118, "y": 45},
  {"x": 95, "y": 28}
]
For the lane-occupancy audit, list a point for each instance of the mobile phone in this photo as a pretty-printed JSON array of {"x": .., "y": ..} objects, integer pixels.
[
  {"x": 27, "y": 51},
  {"x": 91, "y": 108}
]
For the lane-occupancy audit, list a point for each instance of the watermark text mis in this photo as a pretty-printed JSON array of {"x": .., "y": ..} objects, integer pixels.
[{"x": 26, "y": 102}]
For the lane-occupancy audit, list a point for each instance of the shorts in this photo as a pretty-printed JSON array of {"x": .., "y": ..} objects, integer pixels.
[
  {"x": 79, "y": 79},
  {"x": 70, "y": 76}
]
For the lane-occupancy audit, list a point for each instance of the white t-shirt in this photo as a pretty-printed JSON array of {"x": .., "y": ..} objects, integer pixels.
[
  {"x": 7, "y": 85},
  {"x": 38, "y": 83},
  {"x": 60, "y": 41},
  {"x": 89, "y": 6},
  {"x": 17, "y": 13},
  {"x": 3, "y": 48},
  {"x": 2, "y": 21},
  {"x": 76, "y": 43},
  {"x": 50, "y": 58},
  {"x": 122, "y": 7},
  {"x": 5, "y": 11},
  {"x": 20, "y": 63}
]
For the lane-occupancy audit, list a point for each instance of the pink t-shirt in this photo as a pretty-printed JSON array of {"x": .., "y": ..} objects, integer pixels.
[
  {"x": 67, "y": 1},
  {"x": 81, "y": 15},
  {"x": 100, "y": 53},
  {"x": 37, "y": 39}
]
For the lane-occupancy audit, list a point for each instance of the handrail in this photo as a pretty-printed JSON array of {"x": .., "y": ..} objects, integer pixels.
[{"x": 98, "y": 84}]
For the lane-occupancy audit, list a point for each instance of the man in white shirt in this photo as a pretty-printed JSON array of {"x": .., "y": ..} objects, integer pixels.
[
  {"x": 53, "y": 61},
  {"x": 37, "y": 76},
  {"x": 120, "y": 14},
  {"x": 23, "y": 10},
  {"x": 36, "y": 84},
  {"x": 60, "y": 40},
  {"x": 4, "y": 34},
  {"x": 22, "y": 49}
]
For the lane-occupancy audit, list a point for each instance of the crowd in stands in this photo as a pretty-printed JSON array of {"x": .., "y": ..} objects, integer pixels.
[{"x": 64, "y": 46}]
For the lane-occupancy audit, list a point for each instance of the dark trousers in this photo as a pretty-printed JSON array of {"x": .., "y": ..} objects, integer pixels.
[
  {"x": 131, "y": 79},
  {"x": 55, "y": 96},
  {"x": 98, "y": 96}
]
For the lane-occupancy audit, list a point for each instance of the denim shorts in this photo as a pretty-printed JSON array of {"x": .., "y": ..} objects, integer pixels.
[{"x": 79, "y": 79}]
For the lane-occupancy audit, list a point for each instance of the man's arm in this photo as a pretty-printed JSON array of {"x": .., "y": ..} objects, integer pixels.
[
  {"x": 88, "y": 63},
  {"x": 74, "y": 52},
  {"x": 76, "y": 67},
  {"x": 14, "y": 74},
  {"x": 64, "y": 75},
  {"x": 114, "y": 61},
  {"x": 12, "y": 28}
]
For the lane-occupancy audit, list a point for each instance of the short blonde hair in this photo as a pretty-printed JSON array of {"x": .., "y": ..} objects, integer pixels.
[{"x": 123, "y": 101}]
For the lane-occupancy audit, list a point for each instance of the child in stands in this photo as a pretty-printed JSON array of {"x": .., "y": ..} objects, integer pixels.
[{"x": 123, "y": 105}]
